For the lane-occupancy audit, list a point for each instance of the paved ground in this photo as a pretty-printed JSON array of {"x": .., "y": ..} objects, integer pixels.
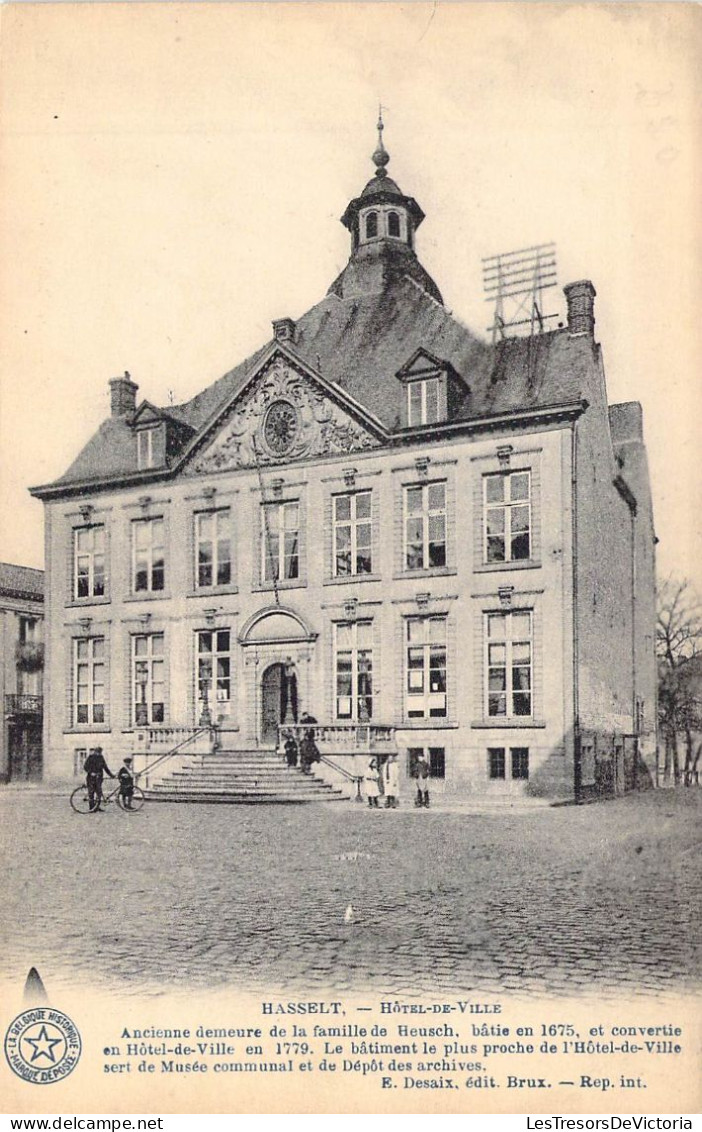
[{"x": 546, "y": 901}]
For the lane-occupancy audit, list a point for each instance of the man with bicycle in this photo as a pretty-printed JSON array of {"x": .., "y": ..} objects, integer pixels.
[{"x": 95, "y": 768}]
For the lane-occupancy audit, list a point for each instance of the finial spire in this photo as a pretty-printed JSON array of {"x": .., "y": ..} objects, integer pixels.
[{"x": 381, "y": 155}]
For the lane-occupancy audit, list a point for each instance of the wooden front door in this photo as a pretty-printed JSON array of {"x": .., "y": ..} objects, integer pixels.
[{"x": 271, "y": 703}]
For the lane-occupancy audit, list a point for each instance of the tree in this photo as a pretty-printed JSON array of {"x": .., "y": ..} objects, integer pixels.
[{"x": 679, "y": 651}]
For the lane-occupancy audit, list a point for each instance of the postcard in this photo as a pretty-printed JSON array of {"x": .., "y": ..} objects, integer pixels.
[{"x": 351, "y": 548}]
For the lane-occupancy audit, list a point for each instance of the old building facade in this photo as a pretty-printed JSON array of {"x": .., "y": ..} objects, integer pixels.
[
  {"x": 21, "y": 671},
  {"x": 381, "y": 520}
]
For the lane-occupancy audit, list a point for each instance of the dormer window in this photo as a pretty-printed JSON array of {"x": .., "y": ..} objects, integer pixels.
[
  {"x": 393, "y": 224},
  {"x": 371, "y": 225},
  {"x": 145, "y": 448},
  {"x": 423, "y": 402}
]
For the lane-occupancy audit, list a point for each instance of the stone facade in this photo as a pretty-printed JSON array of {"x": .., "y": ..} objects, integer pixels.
[
  {"x": 376, "y": 519},
  {"x": 21, "y": 672}
]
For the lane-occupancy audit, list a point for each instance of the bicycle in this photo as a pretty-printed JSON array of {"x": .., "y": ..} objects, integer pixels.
[{"x": 80, "y": 800}]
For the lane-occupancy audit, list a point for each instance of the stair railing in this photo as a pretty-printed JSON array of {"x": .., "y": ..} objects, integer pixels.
[
  {"x": 347, "y": 774},
  {"x": 162, "y": 758}
]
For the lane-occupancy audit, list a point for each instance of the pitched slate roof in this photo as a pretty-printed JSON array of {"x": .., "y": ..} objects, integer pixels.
[{"x": 23, "y": 581}]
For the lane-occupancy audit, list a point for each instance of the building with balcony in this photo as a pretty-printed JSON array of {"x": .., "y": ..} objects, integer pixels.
[
  {"x": 21, "y": 671},
  {"x": 381, "y": 520}
]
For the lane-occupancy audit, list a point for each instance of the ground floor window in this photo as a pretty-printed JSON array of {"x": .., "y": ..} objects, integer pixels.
[
  {"x": 436, "y": 760},
  {"x": 518, "y": 762},
  {"x": 89, "y": 679},
  {"x": 214, "y": 671},
  {"x": 148, "y": 679},
  {"x": 353, "y": 664}
]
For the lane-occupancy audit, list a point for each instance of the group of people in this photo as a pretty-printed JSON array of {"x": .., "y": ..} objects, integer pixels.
[
  {"x": 383, "y": 775},
  {"x": 95, "y": 769},
  {"x": 307, "y": 752}
]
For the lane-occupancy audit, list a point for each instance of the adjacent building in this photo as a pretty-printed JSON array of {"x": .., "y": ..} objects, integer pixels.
[
  {"x": 382, "y": 520},
  {"x": 21, "y": 671}
]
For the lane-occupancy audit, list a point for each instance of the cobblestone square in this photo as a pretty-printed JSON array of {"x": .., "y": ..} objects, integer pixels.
[{"x": 544, "y": 901}]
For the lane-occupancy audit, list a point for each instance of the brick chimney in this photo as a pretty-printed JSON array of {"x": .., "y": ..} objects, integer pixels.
[
  {"x": 123, "y": 393},
  {"x": 580, "y": 298}
]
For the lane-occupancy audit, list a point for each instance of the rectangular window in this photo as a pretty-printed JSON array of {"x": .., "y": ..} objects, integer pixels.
[
  {"x": 423, "y": 402},
  {"x": 280, "y": 539},
  {"x": 435, "y": 756},
  {"x": 148, "y": 555},
  {"x": 507, "y": 504},
  {"x": 145, "y": 448},
  {"x": 425, "y": 686},
  {"x": 214, "y": 672},
  {"x": 509, "y": 664},
  {"x": 425, "y": 526},
  {"x": 519, "y": 761},
  {"x": 496, "y": 762},
  {"x": 89, "y": 680},
  {"x": 213, "y": 549},
  {"x": 148, "y": 679},
  {"x": 352, "y": 534},
  {"x": 89, "y": 562},
  {"x": 353, "y": 666}
]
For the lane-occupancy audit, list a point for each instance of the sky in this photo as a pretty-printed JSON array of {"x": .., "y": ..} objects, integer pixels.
[{"x": 173, "y": 177}]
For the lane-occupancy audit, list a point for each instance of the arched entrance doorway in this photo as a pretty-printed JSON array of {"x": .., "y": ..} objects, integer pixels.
[
  {"x": 278, "y": 648},
  {"x": 278, "y": 699}
]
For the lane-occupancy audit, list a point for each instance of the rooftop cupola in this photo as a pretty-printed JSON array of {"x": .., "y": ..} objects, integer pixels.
[
  {"x": 382, "y": 212},
  {"x": 382, "y": 222}
]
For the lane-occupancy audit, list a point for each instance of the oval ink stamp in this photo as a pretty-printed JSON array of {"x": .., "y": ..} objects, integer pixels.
[{"x": 42, "y": 1045}]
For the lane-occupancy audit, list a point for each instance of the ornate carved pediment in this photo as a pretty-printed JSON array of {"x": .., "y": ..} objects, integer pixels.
[{"x": 284, "y": 415}]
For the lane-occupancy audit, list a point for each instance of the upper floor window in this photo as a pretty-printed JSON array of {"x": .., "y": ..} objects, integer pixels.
[
  {"x": 371, "y": 225},
  {"x": 280, "y": 539},
  {"x": 145, "y": 448},
  {"x": 425, "y": 526},
  {"x": 89, "y": 562},
  {"x": 148, "y": 679},
  {"x": 509, "y": 664},
  {"x": 89, "y": 680},
  {"x": 423, "y": 401},
  {"x": 352, "y": 534},
  {"x": 213, "y": 549},
  {"x": 507, "y": 502},
  {"x": 393, "y": 224},
  {"x": 27, "y": 630},
  {"x": 426, "y": 667},
  {"x": 353, "y": 665},
  {"x": 148, "y": 555}
]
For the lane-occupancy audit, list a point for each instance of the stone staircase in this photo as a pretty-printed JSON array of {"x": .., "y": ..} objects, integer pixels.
[{"x": 243, "y": 777}]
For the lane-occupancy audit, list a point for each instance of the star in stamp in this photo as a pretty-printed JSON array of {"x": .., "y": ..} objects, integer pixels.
[{"x": 42, "y": 1045}]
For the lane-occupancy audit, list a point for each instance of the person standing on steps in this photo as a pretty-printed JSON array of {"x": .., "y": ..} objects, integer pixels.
[
  {"x": 309, "y": 751},
  {"x": 421, "y": 773},
  {"x": 391, "y": 780},
  {"x": 95, "y": 769}
]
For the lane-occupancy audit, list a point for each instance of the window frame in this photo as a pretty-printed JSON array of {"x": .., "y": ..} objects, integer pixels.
[
  {"x": 91, "y": 554},
  {"x": 216, "y": 515},
  {"x": 218, "y": 707},
  {"x": 518, "y": 763},
  {"x": 276, "y": 579},
  {"x": 149, "y": 523},
  {"x": 149, "y": 658},
  {"x": 510, "y": 689},
  {"x": 412, "y": 698},
  {"x": 353, "y": 523},
  {"x": 145, "y": 448},
  {"x": 422, "y": 384},
  {"x": 427, "y": 513},
  {"x": 507, "y": 506},
  {"x": 354, "y": 652},
  {"x": 435, "y": 756},
  {"x": 90, "y": 662}
]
